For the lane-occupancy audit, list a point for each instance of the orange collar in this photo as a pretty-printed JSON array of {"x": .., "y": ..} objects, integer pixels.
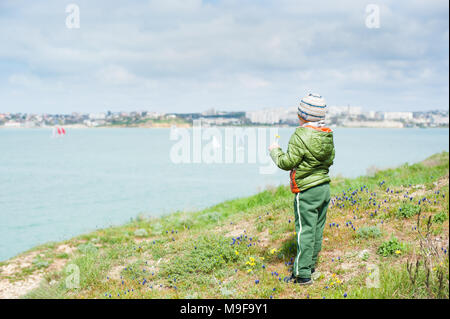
[{"x": 323, "y": 129}]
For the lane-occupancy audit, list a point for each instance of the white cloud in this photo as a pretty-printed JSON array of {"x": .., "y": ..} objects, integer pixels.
[
  {"x": 186, "y": 55},
  {"x": 252, "y": 82},
  {"x": 116, "y": 75},
  {"x": 24, "y": 80}
]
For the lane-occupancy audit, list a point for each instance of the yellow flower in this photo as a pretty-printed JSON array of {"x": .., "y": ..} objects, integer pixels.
[
  {"x": 252, "y": 264},
  {"x": 333, "y": 275},
  {"x": 273, "y": 251},
  {"x": 249, "y": 270},
  {"x": 236, "y": 252},
  {"x": 251, "y": 259},
  {"x": 262, "y": 258},
  {"x": 398, "y": 252}
]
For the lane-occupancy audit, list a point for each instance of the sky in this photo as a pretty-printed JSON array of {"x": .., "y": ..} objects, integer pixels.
[{"x": 231, "y": 55}]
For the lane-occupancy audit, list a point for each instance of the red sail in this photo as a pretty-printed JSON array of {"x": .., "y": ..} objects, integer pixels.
[
  {"x": 59, "y": 131},
  {"x": 63, "y": 130}
]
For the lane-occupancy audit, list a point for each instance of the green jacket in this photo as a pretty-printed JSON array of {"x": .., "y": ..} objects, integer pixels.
[{"x": 309, "y": 155}]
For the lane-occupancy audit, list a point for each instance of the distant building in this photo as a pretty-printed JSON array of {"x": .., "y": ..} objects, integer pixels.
[
  {"x": 152, "y": 115},
  {"x": 344, "y": 110},
  {"x": 406, "y": 116},
  {"x": 269, "y": 116},
  {"x": 371, "y": 115},
  {"x": 219, "y": 121},
  {"x": 440, "y": 120},
  {"x": 289, "y": 116},
  {"x": 97, "y": 116},
  {"x": 263, "y": 116},
  {"x": 210, "y": 111},
  {"x": 374, "y": 124},
  {"x": 13, "y": 124}
]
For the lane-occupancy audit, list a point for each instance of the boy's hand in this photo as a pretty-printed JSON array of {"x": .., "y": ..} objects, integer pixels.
[{"x": 273, "y": 146}]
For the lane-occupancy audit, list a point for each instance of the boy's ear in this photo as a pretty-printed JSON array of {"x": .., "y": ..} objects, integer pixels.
[{"x": 300, "y": 118}]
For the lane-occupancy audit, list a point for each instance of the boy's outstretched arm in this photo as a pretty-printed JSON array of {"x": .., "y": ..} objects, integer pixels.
[{"x": 289, "y": 160}]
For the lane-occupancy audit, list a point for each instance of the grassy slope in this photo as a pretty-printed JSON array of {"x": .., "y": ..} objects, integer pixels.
[{"x": 192, "y": 255}]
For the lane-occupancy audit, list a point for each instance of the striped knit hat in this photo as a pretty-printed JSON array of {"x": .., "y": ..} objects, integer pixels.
[{"x": 312, "y": 108}]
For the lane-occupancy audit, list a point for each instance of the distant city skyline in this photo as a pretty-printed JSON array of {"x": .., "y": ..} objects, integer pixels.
[
  {"x": 182, "y": 56},
  {"x": 131, "y": 110},
  {"x": 337, "y": 116}
]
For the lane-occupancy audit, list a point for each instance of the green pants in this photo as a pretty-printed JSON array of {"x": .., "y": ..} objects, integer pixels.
[{"x": 310, "y": 209}]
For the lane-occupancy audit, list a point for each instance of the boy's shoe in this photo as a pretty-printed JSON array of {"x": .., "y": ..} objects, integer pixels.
[
  {"x": 298, "y": 280},
  {"x": 303, "y": 281}
]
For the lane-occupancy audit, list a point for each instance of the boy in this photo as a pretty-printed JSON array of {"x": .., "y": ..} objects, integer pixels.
[{"x": 309, "y": 155}]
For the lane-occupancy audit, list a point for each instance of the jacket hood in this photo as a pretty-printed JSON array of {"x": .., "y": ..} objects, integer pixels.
[{"x": 318, "y": 141}]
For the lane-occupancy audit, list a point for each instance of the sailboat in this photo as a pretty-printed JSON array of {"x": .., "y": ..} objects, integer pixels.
[{"x": 58, "y": 132}]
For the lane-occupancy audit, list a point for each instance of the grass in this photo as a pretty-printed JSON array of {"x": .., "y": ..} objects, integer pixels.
[
  {"x": 408, "y": 209},
  {"x": 244, "y": 248},
  {"x": 367, "y": 232},
  {"x": 441, "y": 217},
  {"x": 391, "y": 247}
]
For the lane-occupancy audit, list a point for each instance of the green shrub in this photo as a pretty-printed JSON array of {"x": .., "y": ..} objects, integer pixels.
[
  {"x": 87, "y": 248},
  {"x": 209, "y": 217},
  {"x": 209, "y": 253},
  {"x": 367, "y": 232},
  {"x": 407, "y": 210},
  {"x": 40, "y": 263},
  {"x": 157, "y": 228},
  {"x": 141, "y": 232},
  {"x": 391, "y": 247},
  {"x": 440, "y": 218}
]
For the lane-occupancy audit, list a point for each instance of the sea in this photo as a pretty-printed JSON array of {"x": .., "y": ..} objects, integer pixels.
[{"x": 55, "y": 187}]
